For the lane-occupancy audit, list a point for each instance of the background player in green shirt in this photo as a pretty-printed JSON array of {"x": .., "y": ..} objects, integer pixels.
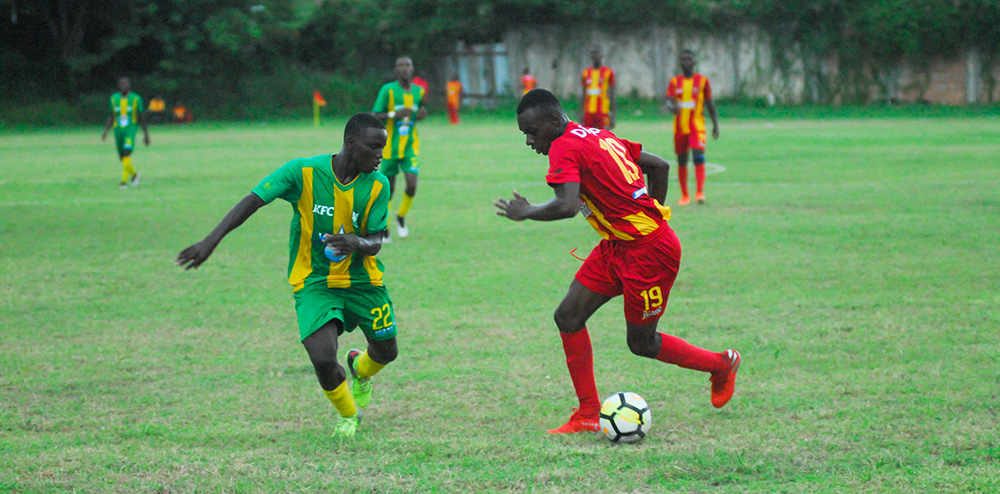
[
  {"x": 340, "y": 210},
  {"x": 399, "y": 105},
  {"x": 126, "y": 117}
]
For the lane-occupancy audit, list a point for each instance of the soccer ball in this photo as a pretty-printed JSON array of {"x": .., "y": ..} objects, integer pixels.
[{"x": 625, "y": 418}]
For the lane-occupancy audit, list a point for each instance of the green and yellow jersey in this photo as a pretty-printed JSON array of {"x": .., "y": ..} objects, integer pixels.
[
  {"x": 323, "y": 205},
  {"x": 403, "y": 140},
  {"x": 126, "y": 110}
]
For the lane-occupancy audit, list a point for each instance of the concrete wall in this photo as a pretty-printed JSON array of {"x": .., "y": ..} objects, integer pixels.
[
  {"x": 740, "y": 62},
  {"x": 646, "y": 59}
]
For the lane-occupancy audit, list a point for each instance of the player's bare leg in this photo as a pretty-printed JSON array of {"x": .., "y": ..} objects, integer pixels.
[
  {"x": 571, "y": 318},
  {"x": 322, "y": 349},
  {"x": 644, "y": 340}
]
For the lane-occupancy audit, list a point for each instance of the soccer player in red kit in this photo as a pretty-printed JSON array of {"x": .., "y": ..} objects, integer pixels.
[
  {"x": 599, "y": 102},
  {"x": 528, "y": 81},
  {"x": 688, "y": 95},
  {"x": 596, "y": 173}
]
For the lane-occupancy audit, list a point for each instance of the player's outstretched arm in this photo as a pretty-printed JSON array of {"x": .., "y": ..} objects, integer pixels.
[
  {"x": 107, "y": 126},
  {"x": 564, "y": 205},
  {"x": 672, "y": 105},
  {"x": 345, "y": 243},
  {"x": 193, "y": 256},
  {"x": 710, "y": 106},
  {"x": 657, "y": 171}
]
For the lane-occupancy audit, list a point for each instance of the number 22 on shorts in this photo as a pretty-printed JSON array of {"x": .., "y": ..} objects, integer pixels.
[
  {"x": 384, "y": 315},
  {"x": 653, "y": 295}
]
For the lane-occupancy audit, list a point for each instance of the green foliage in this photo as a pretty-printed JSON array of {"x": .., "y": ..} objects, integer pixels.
[{"x": 190, "y": 49}]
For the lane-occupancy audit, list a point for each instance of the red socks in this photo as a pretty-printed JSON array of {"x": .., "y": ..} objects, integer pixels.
[
  {"x": 580, "y": 360},
  {"x": 699, "y": 176},
  {"x": 676, "y": 351},
  {"x": 682, "y": 177}
]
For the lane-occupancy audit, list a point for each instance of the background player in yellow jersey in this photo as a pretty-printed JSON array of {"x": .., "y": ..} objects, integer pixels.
[
  {"x": 687, "y": 96},
  {"x": 126, "y": 117},
  {"x": 340, "y": 211},
  {"x": 599, "y": 102},
  {"x": 400, "y": 106}
]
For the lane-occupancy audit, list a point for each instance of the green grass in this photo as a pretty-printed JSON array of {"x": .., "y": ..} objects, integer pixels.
[{"x": 853, "y": 262}]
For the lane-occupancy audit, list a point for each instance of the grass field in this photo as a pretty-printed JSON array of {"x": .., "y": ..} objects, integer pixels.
[{"x": 853, "y": 262}]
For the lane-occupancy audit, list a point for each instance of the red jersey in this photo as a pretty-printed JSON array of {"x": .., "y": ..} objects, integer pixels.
[
  {"x": 613, "y": 195},
  {"x": 691, "y": 95},
  {"x": 454, "y": 93},
  {"x": 596, "y": 83},
  {"x": 528, "y": 83}
]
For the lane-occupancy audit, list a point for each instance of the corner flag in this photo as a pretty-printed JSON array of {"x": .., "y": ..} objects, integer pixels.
[{"x": 318, "y": 101}]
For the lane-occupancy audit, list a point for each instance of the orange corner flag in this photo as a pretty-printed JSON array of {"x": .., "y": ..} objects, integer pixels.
[{"x": 318, "y": 99}]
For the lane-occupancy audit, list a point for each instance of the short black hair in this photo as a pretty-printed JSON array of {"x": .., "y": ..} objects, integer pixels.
[
  {"x": 361, "y": 122},
  {"x": 538, "y": 98},
  {"x": 688, "y": 50}
]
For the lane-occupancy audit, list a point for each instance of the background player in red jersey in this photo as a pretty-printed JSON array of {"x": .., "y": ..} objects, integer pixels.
[
  {"x": 454, "y": 100},
  {"x": 599, "y": 102},
  {"x": 687, "y": 96},
  {"x": 528, "y": 81},
  {"x": 600, "y": 175}
]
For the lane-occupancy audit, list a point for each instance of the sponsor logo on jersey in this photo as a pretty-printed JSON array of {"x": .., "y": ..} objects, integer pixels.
[
  {"x": 582, "y": 132},
  {"x": 650, "y": 313},
  {"x": 386, "y": 330},
  {"x": 323, "y": 210},
  {"x": 639, "y": 193},
  {"x": 585, "y": 210}
]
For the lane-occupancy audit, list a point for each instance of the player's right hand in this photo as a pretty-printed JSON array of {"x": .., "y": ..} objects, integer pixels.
[
  {"x": 404, "y": 113},
  {"x": 193, "y": 256}
]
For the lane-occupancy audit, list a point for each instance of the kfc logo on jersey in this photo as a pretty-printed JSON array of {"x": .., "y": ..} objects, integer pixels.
[{"x": 323, "y": 210}]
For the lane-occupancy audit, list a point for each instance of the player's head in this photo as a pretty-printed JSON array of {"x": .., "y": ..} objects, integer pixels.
[
  {"x": 403, "y": 69},
  {"x": 124, "y": 84},
  {"x": 364, "y": 138},
  {"x": 541, "y": 118},
  {"x": 596, "y": 56},
  {"x": 687, "y": 60},
  {"x": 526, "y": 71}
]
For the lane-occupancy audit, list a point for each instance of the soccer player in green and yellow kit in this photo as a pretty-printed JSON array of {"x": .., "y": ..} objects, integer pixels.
[
  {"x": 126, "y": 117},
  {"x": 340, "y": 209},
  {"x": 399, "y": 105}
]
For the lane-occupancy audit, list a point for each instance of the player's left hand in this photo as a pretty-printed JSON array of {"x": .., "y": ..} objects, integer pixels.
[
  {"x": 421, "y": 113},
  {"x": 104, "y": 136},
  {"x": 145, "y": 139},
  {"x": 611, "y": 121},
  {"x": 515, "y": 209},
  {"x": 345, "y": 243},
  {"x": 715, "y": 132}
]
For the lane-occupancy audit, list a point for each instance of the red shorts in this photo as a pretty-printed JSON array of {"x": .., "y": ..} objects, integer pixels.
[
  {"x": 596, "y": 120},
  {"x": 643, "y": 271},
  {"x": 685, "y": 142}
]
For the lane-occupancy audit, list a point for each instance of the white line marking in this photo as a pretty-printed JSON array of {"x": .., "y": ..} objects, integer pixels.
[{"x": 711, "y": 168}]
